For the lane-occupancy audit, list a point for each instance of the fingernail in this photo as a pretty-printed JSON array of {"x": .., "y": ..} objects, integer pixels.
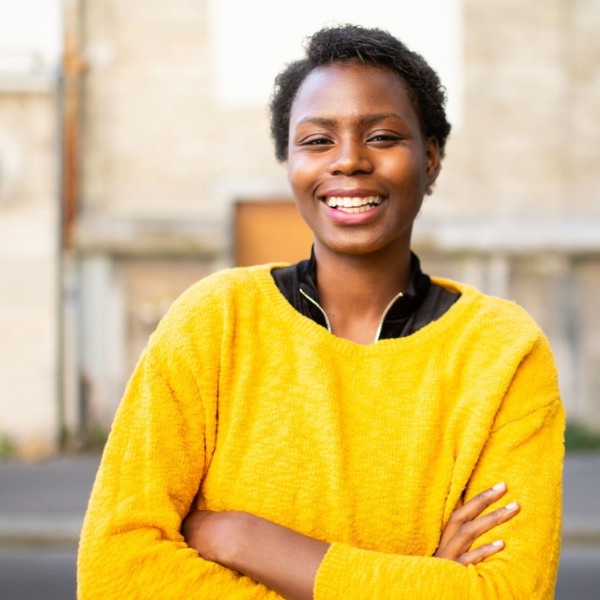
[
  {"x": 512, "y": 506},
  {"x": 498, "y": 543},
  {"x": 499, "y": 486}
]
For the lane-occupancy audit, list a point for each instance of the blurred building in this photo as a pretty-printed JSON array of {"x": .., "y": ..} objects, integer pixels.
[
  {"x": 170, "y": 184},
  {"x": 29, "y": 255}
]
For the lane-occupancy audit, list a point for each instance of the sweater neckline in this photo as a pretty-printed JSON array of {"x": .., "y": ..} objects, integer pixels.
[{"x": 278, "y": 304}]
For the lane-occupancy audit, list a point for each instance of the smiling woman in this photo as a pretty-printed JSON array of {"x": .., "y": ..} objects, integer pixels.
[
  {"x": 345, "y": 427},
  {"x": 359, "y": 166}
]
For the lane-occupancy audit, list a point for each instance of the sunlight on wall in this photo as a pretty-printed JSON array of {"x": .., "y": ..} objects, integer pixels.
[
  {"x": 253, "y": 41},
  {"x": 30, "y": 35}
]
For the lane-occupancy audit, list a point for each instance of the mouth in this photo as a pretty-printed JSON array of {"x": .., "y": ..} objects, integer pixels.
[{"x": 354, "y": 204}]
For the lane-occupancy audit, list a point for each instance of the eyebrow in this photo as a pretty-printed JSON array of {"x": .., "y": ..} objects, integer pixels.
[{"x": 366, "y": 120}]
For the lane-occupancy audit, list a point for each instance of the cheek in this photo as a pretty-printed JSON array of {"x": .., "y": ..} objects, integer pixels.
[
  {"x": 302, "y": 176},
  {"x": 406, "y": 174},
  {"x": 301, "y": 182}
]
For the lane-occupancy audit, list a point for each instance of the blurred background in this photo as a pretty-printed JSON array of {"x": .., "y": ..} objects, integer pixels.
[{"x": 135, "y": 159}]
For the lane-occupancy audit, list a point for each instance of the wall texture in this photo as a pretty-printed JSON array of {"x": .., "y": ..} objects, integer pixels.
[
  {"x": 516, "y": 211},
  {"x": 28, "y": 265}
]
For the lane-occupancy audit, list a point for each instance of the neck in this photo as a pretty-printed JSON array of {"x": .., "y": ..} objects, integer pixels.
[{"x": 355, "y": 289}]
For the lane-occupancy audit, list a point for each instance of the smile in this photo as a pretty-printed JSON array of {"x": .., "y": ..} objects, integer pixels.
[{"x": 353, "y": 205}]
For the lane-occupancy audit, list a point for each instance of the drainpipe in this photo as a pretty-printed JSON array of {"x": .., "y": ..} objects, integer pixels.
[{"x": 73, "y": 67}]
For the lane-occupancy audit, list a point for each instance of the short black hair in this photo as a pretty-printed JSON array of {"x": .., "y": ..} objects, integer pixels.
[{"x": 351, "y": 42}]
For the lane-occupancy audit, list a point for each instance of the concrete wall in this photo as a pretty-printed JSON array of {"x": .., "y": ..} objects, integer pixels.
[
  {"x": 158, "y": 146},
  {"x": 28, "y": 264},
  {"x": 516, "y": 211},
  {"x": 162, "y": 165},
  {"x": 529, "y": 145},
  {"x": 121, "y": 300},
  {"x": 517, "y": 208}
]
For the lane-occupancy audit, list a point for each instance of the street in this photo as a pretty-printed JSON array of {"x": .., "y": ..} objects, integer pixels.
[
  {"x": 50, "y": 575},
  {"x": 42, "y": 507}
]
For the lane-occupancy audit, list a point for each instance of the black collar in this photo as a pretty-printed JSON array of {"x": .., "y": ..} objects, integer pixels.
[
  {"x": 422, "y": 303},
  {"x": 402, "y": 308}
]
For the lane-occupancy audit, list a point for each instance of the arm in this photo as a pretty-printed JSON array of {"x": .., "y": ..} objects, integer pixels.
[
  {"x": 282, "y": 559},
  {"x": 287, "y": 561},
  {"x": 153, "y": 463},
  {"x": 525, "y": 448}
]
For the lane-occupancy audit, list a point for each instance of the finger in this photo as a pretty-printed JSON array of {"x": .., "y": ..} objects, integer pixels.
[
  {"x": 476, "y": 505},
  {"x": 476, "y": 556},
  {"x": 471, "y": 509},
  {"x": 467, "y": 534}
]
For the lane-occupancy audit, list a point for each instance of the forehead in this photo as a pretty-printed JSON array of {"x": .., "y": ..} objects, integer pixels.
[{"x": 349, "y": 91}]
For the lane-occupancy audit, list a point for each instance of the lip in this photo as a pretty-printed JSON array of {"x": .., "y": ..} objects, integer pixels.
[
  {"x": 344, "y": 218},
  {"x": 350, "y": 193}
]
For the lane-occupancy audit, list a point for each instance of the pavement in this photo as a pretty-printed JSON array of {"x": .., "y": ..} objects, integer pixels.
[{"x": 43, "y": 504}]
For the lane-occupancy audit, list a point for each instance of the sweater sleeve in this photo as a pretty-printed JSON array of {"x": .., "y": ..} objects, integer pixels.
[
  {"x": 525, "y": 448},
  {"x": 153, "y": 463}
]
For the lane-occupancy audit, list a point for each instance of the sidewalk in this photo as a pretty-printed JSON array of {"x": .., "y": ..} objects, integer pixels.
[
  {"x": 43, "y": 504},
  {"x": 581, "y": 499}
]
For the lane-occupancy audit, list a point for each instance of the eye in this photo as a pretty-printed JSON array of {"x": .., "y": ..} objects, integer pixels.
[
  {"x": 317, "y": 142},
  {"x": 384, "y": 137}
]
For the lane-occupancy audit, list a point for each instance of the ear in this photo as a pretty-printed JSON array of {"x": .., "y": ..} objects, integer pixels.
[{"x": 433, "y": 160}]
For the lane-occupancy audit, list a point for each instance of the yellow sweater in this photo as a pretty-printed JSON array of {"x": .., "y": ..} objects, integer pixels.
[{"x": 241, "y": 403}]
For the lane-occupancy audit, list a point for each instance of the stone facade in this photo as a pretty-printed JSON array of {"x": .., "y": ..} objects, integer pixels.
[
  {"x": 29, "y": 403},
  {"x": 516, "y": 211}
]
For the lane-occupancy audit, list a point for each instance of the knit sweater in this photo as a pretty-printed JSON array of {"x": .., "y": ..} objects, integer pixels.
[{"x": 241, "y": 403}]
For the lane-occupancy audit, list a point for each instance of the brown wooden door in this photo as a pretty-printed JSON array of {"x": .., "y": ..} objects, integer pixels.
[{"x": 270, "y": 231}]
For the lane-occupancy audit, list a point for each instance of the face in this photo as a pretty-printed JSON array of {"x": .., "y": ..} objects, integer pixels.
[{"x": 358, "y": 163}]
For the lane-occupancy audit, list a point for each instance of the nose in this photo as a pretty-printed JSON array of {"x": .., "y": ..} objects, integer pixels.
[{"x": 351, "y": 158}]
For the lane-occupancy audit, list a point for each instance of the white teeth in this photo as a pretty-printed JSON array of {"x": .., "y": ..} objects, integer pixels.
[{"x": 355, "y": 202}]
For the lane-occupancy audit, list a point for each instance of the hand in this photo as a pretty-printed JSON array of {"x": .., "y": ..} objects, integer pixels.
[{"x": 463, "y": 528}]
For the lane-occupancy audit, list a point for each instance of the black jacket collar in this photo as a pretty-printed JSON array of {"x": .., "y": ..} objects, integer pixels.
[
  {"x": 422, "y": 303},
  {"x": 402, "y": 308}
]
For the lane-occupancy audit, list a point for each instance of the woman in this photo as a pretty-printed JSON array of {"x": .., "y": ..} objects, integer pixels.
[{"x": 346, "y": 427}]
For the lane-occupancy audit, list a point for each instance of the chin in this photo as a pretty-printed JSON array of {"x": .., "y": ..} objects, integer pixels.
[{"x": 356, "y": 244}]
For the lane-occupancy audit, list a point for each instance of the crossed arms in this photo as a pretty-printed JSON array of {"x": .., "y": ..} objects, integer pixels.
[{"x": 287, "y": 561}]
